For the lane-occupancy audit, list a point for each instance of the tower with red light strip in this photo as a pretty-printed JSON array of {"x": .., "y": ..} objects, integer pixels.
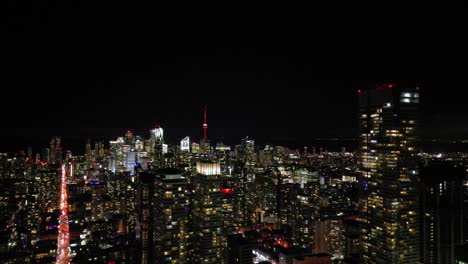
[
  {"x": 205, "y": 125},
  {"x": 205, "y": 147}
]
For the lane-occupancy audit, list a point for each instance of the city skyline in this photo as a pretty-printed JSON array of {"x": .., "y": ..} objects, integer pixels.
[
  {"x": 76, "y": 142},
  {"x": 128, "y": 137},
  {"x": 210, "y": 203},
  {"x": 255, "y": 78}
]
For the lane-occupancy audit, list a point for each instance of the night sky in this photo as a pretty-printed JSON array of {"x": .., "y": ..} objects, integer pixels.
[{"x": 81, "y": 72}]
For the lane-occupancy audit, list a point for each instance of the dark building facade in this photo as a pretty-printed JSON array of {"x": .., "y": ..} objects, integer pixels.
[
  {"x": 145, "y": 202},
  {"x": 239, "y": 250},
  {"x": 442, "y": 212}
]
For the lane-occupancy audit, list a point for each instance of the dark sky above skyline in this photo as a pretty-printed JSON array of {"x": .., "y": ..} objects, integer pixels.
[{"x": 79, "y": 72}]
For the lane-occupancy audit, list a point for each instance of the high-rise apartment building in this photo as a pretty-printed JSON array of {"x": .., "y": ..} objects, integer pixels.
[
  {"x": 389, "y": 175},
  {"x": 171, "y": 217},
  {"x": 209, "y": 214},
  {"x": 244, "y": 174}
]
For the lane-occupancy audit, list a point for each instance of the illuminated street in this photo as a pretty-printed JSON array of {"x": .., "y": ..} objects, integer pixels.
[{"x": 63, "y": 239}]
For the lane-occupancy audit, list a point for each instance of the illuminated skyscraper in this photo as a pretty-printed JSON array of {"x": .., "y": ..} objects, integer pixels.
[
  {"x": 117, "y": 155},
  {"x": 96, "y": 154},
  {"x": 171, "y": 217},
  {"x": 389, "y": 174},
  {"x": 89, "y": 153},
  {"x": 195, "y": 147},
  {"x": 99, "y": 150},
  {"x": 208, "y": 214},
  {"x": 244, "y": 174},
  {"x": 157, "y": 136},
  {"x": 185, "y": 144},
  {"x": 139, "y": 144}
]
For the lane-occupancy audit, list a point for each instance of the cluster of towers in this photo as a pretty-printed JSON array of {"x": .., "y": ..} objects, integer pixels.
[{"x": 151, "y": 202}]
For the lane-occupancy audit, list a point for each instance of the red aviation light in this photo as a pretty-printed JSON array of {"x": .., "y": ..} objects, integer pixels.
[
  {"x": 226, "y": 190},
  {"x": 385, "y": 86},
  {"x": 359, "y": 91},
  {"x": 417, "y": 88}
]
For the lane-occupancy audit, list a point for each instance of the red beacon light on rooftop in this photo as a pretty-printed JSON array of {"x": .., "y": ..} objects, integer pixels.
[
  {"x": 359, "y": 91},
  {"x": 385, "y": 86}
]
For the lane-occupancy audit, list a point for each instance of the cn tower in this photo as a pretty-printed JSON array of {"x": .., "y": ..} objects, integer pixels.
[{"x": 205, "y": 125}]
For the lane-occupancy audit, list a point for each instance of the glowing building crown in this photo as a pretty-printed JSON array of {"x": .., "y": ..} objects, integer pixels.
[
  {"x": 207, "y": 168},
  {"x": 158, "y": 133}
]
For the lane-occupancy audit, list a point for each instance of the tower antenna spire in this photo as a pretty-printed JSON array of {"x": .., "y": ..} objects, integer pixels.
[{"x": 205, "y": 125}]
